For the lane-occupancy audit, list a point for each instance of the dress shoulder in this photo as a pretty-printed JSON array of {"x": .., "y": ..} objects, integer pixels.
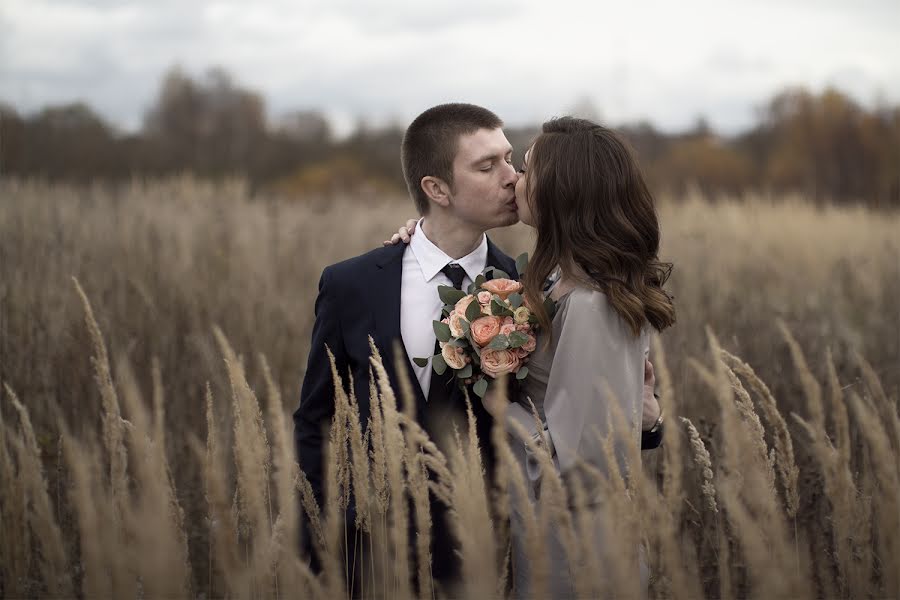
[{"x": 590, "y": 309}]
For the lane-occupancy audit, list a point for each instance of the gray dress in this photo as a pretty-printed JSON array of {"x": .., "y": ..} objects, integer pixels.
[{"x": 593, "y": 359}]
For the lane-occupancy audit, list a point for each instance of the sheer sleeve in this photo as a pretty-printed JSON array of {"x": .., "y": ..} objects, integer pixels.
[
  {"x": 536, "y": 431},
  {"x": 597, "y": 361}
]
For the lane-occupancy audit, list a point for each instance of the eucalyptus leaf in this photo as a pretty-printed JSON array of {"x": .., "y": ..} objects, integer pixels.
[
  {"x": 439, "y": 364},
  {"x": 522, "y": 263},
  {"x": 466, "y": 371},
  {"x": 479, "y": 281},
  {"x": 500, "y": 274},
  {"x": 441, "y": 330},
  {"x": 473, "y": 311},
  {"x": 517, "y": 339},
  {"x": 523, "y": 373},
  {"x": 500, "y": 342},
  {"x": 499, "y": 309},
  {"x": 480, "y": 387},
  {"x": 465, "y": 326},
  {"x": 449, "y": 294},
  {"x": 421, "y": 362},
  {"x": 516, "y": 300}
]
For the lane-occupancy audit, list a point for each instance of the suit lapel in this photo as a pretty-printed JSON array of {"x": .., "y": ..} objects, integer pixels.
[
  {"x": 386, "y": 288},
  {"x": 498, "y": 260}
]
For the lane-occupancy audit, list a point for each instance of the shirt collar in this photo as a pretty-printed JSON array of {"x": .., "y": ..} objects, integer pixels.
[{"x": 432, "y": 259}]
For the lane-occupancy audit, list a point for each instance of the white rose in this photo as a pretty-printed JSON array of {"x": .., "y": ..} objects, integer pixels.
[{"x": 453, "y": 356}]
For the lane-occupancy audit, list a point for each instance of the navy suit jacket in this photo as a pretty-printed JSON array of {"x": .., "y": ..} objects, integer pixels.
[{"x": 357, "y": 298}]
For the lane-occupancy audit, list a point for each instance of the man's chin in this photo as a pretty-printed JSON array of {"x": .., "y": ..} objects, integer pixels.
[{"x": 510, "y": 220}]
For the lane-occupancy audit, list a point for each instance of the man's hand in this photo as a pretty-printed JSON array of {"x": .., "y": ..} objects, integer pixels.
[
  {"x": 404, "y": 233},
  {"x": 651, "y": 409}
]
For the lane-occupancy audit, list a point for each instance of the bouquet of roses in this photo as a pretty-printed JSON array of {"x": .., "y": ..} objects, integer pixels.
[{"x": 486, "y": 331}]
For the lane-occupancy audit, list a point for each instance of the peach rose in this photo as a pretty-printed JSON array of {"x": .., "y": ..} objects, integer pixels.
[
  {"x": 508, "y": 321},
  {"x": 499, "y": 362},
  {"x": 530, "y": 345},
  {"x": 456, "y": 329},
  {"x": 521, "y": 352},
  {"x": 463, "y": 304},
  {"x": 502, "y": 287},
  {"x": 453, "y": 357},
  {"x": 526, "y": 327},
  {"x": 485, "y": 329},
  {"x": 507, "y": 329},
  {"x": 484, "y": 298}
]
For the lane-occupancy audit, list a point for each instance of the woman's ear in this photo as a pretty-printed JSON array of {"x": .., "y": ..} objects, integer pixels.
[{"x": 437, "y": 190}]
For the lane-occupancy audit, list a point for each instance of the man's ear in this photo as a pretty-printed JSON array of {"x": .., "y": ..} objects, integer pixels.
[{"x": 436, "y": 189}]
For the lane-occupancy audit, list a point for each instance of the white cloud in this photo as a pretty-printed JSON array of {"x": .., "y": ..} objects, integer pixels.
[{"x": 664, "y": 61}]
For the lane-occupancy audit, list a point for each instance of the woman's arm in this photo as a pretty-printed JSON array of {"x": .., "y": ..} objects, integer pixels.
[{"x": 594, "y": 389}]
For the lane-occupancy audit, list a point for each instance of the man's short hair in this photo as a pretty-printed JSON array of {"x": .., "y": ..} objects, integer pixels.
[{"x": 431, "y": 141}]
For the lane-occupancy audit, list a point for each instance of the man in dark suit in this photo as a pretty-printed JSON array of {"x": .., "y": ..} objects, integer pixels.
[{"x": 458, "y": 167}]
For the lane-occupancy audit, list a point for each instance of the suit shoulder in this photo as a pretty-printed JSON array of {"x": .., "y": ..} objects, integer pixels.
[
  {"x": 507, "y": 262},
  {"x": 351, "y": 268}
]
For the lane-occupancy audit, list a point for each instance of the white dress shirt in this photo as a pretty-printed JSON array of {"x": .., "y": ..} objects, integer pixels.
[{"x": 419, "y": 300}]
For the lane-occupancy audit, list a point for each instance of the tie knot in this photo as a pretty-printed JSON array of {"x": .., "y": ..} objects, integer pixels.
[{"x": 455, "y": 273}]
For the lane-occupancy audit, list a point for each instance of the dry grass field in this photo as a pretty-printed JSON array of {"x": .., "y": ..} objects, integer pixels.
[{"x": 153, "y": 339}]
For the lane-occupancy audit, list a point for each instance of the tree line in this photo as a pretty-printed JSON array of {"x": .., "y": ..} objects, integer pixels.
[{"x": 826, "y": 146}]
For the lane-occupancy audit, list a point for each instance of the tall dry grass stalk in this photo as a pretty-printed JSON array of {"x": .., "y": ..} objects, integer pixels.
[
  {"x": 704, "y": 465},
  {"x": 398, "y": 510},
  {"x": 883, "y": 465},
  {"x": 471, "y": 504},
  {"x": 290, "y": 574},
  {"x": 253, "y": 464},
  {"x": 113, "y": 430},
  {"x": 15, "y": 547},
  {"x": 783, "y": 446},
  {"x": 167, "y": 572},
  {"x": 746, "y": 488},
  {"x": 39, "y": 516},
  {"x": 223, "y": 530}
]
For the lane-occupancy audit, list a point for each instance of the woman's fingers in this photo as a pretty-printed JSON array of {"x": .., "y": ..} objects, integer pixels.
[{"x": 403, "y": 234}]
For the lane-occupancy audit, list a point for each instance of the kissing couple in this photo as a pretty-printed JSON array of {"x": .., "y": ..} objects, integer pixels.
[{"x": 595, "y": 257}]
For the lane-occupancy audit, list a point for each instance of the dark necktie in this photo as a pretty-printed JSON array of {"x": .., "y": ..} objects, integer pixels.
[
  {"x": 455, "y": 273},
  {"x": 443, "y": 386},
  {"x": 444, "y": 408}
]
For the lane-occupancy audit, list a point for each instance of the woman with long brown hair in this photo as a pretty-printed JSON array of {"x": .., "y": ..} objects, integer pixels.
[{"x": 596, "y": 256}]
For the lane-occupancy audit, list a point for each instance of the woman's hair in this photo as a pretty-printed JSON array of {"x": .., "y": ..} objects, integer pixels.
[{"x": 595, "y": 219}]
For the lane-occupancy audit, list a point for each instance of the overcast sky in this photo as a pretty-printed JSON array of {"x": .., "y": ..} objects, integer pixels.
[{"x": 665, "y": 61}]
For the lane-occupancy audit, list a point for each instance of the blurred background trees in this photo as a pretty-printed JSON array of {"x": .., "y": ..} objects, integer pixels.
[{"x": 825, "y": 146}]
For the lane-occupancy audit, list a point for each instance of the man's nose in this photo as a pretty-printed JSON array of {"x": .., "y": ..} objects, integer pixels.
[{"x": 511, "y": 176}]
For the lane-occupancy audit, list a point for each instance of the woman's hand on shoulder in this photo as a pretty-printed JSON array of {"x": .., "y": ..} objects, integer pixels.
[{"x": 403, "y": 234}]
